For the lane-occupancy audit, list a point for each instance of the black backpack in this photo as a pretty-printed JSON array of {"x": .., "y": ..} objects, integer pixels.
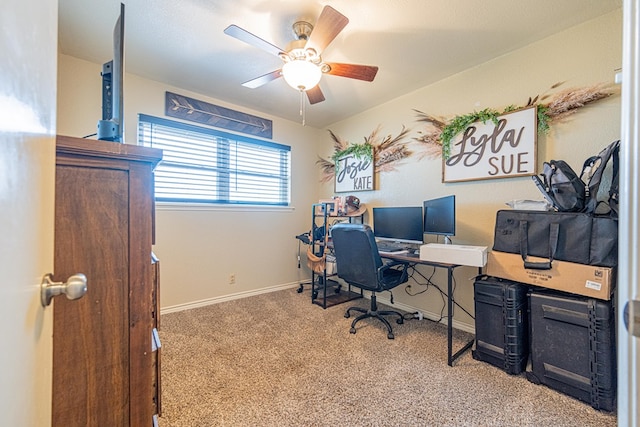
[{"x": 568, "y": 192}]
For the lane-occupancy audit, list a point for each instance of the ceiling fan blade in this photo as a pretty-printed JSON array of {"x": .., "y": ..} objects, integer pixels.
[
  {"x": 249, "y": 38},
  {"x": 353, "y": 71},
  {"x": 262, "y": 80},
  {"x": 330, "y": 23},
  {"x": 315, "y": 95}
]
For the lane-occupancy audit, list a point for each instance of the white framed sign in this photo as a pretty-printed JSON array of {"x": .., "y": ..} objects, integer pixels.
[
  {"x": 489, "y": 150},
  {"x": 354, "y": 172}
]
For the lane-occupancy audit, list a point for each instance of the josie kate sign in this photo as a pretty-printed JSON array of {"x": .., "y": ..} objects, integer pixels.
[
  {"x": 354, "y": 172},
  {"x": 489, "y": 150}
]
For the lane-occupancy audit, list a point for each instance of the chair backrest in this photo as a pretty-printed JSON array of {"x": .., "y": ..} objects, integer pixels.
[{"x": 357, "y": 255}]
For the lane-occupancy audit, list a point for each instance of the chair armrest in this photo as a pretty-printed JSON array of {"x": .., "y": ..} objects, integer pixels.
[
  {"x": 390, "y": 265},
  {"x": 393, "y": 264}
]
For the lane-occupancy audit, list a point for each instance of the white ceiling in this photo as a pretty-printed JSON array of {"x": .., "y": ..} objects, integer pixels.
[{"x": 413, "y": 42}]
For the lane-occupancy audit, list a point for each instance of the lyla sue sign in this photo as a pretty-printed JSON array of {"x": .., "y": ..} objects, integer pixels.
[
  {"x": 494, "y": 150},
  {"x": 354, "y": 172}
]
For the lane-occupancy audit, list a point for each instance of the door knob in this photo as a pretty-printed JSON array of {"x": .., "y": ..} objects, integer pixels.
[{"x": 74, "y": 288}]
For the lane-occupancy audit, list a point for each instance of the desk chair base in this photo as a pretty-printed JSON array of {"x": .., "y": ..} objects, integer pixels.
[{"x": 373, "y": 312}]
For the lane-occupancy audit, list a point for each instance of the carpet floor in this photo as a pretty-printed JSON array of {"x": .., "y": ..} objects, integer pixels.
[{"x": 277, "y": 360}]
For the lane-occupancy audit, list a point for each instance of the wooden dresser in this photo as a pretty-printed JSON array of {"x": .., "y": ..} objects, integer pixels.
[{"x": 104, "y": 370}]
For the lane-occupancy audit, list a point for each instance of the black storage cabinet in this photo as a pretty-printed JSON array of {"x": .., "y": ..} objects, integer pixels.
[
  {"x": 501, "y": 323},
  {"x": 573, "y": 346}
]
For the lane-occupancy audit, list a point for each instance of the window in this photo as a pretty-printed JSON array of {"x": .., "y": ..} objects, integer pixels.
[{"x": 210, "y": 166}]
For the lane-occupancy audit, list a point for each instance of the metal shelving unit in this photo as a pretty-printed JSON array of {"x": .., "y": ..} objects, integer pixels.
[{"x": 326, "y": 289}]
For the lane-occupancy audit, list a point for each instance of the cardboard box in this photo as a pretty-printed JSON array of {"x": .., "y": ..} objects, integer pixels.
[
  {"x": 330, "y": 264},
  {"x": 580, "y": 279}
]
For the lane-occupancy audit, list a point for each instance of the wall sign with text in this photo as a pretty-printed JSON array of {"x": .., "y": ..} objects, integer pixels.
[
  {"x": 488, "y": 150},
  {"x": 354, "y": 172}
]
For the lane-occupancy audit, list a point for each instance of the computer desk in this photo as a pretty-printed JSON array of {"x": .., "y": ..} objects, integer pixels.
[{"x": 415, "y": 259}]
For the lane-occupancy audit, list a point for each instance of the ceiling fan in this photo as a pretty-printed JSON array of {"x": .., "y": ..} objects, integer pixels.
[{"x": 303, "y": 64}]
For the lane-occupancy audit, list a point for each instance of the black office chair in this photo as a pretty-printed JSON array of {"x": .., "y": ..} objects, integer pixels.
[{"x": 360, "y": 265}]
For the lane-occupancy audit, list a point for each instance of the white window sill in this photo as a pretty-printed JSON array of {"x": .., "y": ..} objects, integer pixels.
[{"x": 175, "y": 206}]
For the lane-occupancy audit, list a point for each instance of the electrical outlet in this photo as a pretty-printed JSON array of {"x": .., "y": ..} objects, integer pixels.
[{"x": 232, "y": 279}]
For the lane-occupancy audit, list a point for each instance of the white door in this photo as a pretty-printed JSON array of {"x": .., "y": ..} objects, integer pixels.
[
  {"x": 628, "y": 279},
  {"x": 28, "y": 70}
]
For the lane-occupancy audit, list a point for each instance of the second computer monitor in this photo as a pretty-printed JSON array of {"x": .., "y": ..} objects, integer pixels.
[
  {"x": 440, "y": 216},
  {"x": 398, "y": 224}
]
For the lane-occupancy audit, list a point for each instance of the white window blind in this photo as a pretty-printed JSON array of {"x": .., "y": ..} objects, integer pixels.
[{"x": 210, "y": 166}]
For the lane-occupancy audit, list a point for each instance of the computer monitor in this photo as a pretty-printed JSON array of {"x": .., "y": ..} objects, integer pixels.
[
  {"x": 440, "y": 216},
  {"x": 398, "y": 224},
  {"x": 111, "y": 127}
]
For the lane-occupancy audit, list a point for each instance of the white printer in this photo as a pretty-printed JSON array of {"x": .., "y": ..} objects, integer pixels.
[{"x": 473, "y": 256}]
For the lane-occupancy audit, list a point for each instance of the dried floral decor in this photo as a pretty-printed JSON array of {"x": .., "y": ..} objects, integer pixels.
[
  {"x": 558, "y": 106},
  {"x": 387, "y": 151},
  {"x": 436, "y": 140}
]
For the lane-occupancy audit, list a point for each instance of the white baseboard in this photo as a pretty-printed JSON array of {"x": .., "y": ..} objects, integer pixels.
[
  {"x": 400, "y": 306},
  {"x": 428, "y": 315},
  {"x": 230, "y": 297}
]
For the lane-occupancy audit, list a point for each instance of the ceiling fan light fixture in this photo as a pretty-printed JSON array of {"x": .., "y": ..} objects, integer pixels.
[
  {"x": 303, "y": 64},
  {"x": 301, "y": 74}
]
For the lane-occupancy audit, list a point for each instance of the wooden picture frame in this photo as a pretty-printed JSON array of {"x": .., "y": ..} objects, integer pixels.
[
  {"x": 491, "y": 150},
  {"x": 354, "y": 172}
]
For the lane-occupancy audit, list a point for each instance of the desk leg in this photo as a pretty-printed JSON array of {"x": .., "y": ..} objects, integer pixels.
[
  {"x": 449, "y": 315},
  {"x": 467, "y": 346}
]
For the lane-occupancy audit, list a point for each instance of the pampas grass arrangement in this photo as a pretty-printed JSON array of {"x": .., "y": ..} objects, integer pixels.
[
  {"x": 387, "y": 152},
  {"x": 567, "y": 102},
  {"x": 557, "y": 108},
  {"x": 431, "y": 139}
]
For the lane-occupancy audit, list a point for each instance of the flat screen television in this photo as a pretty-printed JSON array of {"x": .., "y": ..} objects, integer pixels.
[
  {"x": 398, "y": 224},
  {"x": 111, "y": 127},
  {"x": 440, "y": 217}
]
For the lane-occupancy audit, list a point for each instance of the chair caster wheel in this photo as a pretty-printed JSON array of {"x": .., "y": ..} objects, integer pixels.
[
  {"x": 352, "y": 330},
  {"x": 347, "y": 315},
  {"x": 390, "y": 336},
  {"x": 400, "y": 321},
  {"x": 299, "y": 290}
]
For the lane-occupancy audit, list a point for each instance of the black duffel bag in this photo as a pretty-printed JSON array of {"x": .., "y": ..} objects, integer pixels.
[{"x": 564, "y": 236}]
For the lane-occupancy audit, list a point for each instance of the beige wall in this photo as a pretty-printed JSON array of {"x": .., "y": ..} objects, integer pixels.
[
  {"x": 28, "y": 39},
  {"x": 200, "y": 248},
  {"x": 582, "y": 56}
]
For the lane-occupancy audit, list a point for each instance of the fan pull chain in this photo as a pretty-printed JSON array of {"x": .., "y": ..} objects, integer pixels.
[{"x": 302, "y": 109}]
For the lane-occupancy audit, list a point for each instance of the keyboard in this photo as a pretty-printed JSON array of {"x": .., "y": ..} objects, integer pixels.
[{"x": 389, "y": 248}]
